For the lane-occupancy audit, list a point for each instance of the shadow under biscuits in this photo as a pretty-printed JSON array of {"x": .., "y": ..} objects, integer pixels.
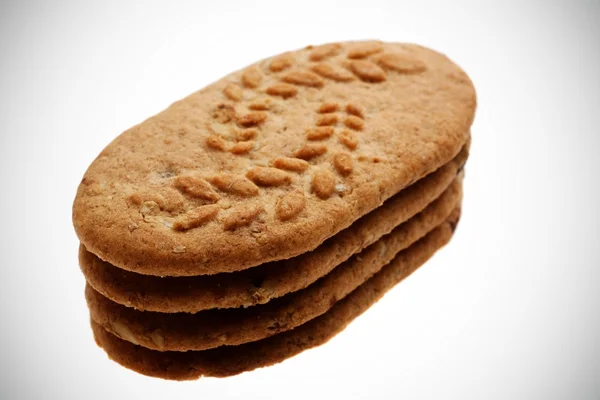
[
  {"x": 231, "y": 360},
  {"x": 214, "y": 328},
  {"x": 260, "y": 284}
]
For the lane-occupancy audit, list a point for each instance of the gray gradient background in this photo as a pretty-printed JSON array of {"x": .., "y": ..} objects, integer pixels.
[{"x": 510, "y": 310}]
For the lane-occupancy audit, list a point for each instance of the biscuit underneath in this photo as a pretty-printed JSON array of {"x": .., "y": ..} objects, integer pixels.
[
  {"x": 261, "y": 284},
  {"x": 214, "y": 328},
  {"x": 232, "y": 360}
]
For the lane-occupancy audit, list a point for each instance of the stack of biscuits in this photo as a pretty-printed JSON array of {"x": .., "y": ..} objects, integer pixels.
[{"x": 257, "y": 217}]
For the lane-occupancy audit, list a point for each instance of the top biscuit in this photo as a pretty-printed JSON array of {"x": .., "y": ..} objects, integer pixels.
[{"x": 271, "y": 160}]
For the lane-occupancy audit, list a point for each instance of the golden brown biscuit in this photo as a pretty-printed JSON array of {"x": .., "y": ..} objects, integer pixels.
[
  {"x": 260, "y": 284},
  {"x": 234, "y": 176},
  {"x": 213, "y": 328},
  {"x": 231, "y": 360}
]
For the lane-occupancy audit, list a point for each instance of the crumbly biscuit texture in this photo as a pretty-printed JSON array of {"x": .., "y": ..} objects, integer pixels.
[
  {"x": 232, "y": 360},
  {"x": 214, "y": 328},
  {"x": 271, "y": 160},
  {"x": 260, "y": 284}
]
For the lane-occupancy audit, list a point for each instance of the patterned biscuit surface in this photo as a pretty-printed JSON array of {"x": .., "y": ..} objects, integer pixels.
[
  {"x": 260, "y": 284},
  {"x": 214, "y": 328},
  {"x": 231, "y": 360},
  {"x": 269, "y": 161}
]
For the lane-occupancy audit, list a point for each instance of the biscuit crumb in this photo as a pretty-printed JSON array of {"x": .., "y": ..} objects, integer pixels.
[{"x": 178, "y": 249}]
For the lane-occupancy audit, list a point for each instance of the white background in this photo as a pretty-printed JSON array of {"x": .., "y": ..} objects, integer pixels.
[{"x": 509, "y": 310}]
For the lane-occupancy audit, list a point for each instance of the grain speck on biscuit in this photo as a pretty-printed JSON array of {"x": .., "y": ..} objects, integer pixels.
[
  {"x": 290, "y": 164},
  {"x": 234, "y": 184},
  {"x": 264, "y": 176},
  {"x": 195, "y": 186},
  {"x": 284, "y": 90},
  {"x": 310, "y": 150},
  {"x": 323, "y": 183},
  {"x": 290, "y": 205}
]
